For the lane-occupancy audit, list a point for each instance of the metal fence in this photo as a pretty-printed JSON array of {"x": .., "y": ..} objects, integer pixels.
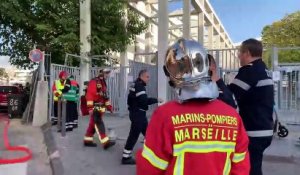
[
  {"x": 287, "y": 86},
  {"x": 115, "y": 89}
]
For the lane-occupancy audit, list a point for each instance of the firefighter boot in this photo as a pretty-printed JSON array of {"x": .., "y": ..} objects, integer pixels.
[
  {"x": 108, "y": 144},
  {"x": 128, "y": 161},
  {"x": 89, "y": 144}
]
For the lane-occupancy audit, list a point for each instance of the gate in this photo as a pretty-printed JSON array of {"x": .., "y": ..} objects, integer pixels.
[
  {"x": 114, "y": 87},
  {"x": 287, "y": 86}
]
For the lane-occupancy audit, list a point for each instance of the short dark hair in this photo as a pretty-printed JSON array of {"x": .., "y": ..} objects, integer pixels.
[
  {"x": 254, "y": 47},
  {"x": 142, "y": 72}
]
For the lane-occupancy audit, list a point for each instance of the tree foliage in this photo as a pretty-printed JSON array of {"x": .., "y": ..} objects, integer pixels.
[
  {"x": 53, "y": 26},
  {"x": 283, "y": 33}
]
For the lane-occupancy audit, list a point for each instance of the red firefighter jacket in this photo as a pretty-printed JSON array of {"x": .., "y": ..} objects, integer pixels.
[
  {"x": 97, "y": 93},
  {"x": 203, "y": 138}
]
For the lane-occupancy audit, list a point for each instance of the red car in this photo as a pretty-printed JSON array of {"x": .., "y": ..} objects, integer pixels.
[{"x": 4, "y": 91}]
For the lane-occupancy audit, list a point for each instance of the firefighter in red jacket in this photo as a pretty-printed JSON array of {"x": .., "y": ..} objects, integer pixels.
[
  {"x": 198, "y": 134},
  {"x": 97, "y": 102}
]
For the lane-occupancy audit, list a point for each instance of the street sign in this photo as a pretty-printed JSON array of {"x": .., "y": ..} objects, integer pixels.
[{"x": 36, "y": 55}]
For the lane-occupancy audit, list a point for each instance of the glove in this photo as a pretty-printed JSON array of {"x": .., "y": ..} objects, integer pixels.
[
  {"x": 91, "y": 112},
  {"x": 56, "y": 94},
  {"x": 110, "y": 108}
]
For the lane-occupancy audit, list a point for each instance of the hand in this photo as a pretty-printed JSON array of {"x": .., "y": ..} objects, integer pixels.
[
  {"x": 91, "y": 111},
  {"x": 214, "y": 77},
  {"x": 110, "y": 108},
  {"x": 57, "y": 94},
  {"x": 160, "y": 100}
]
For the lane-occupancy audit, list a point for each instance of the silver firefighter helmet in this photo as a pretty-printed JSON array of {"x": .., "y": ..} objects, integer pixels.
[{"x": 187, "y": 66}]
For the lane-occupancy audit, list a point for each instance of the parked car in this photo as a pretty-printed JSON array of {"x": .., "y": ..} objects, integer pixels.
[{"x": 6, "y": 90}]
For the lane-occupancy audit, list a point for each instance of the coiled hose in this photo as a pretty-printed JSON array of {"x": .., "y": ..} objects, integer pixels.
[{"x": 8, "y": 147}]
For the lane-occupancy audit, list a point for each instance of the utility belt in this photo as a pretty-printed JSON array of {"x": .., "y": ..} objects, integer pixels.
[{"x": 99, "y": 107}]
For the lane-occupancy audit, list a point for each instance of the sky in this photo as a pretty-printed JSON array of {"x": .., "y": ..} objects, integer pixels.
[
  {"x": 245, "y": 19},
  {"x": 4, "y": 61}
]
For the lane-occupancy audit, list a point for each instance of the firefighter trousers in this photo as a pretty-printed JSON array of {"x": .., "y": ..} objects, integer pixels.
[
  {"x": 96, "y": 124},
  {"x": 55, "y": 108},
  {"x": 139, "y": 125},
  {"x": 257, "y": 146}
]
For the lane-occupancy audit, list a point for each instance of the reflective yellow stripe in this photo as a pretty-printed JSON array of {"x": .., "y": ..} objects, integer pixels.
[
  {"x": 154, "y": 159},
  {"x": 238, "y": 157},
  {"x": 179, "y": 165},
  {"x": 107, "y": 103},
  {"x": 105, "y": 139},
  {"x": 227, "y": 165},
  {"x": 90, "y": 103},
  {"x": 203, "y": 147},
  {"x": 88, "y": 138}
]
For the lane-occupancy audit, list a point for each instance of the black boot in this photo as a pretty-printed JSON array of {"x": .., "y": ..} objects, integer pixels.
[
  {"x": 128, "y": 161},
  {"x": 53, "y": 123},
  {"x": 109, "y": 144},
  {"x": 89, "y": 144}
]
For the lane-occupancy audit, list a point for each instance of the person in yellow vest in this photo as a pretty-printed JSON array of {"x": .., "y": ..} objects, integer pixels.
[{"x": 57, "y": 88}]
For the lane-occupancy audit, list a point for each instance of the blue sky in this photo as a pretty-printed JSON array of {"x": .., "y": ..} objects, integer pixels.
[{"x": 245, "y": 19}]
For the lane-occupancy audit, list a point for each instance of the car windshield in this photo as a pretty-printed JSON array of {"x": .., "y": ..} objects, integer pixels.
[{"x": 8, "y": 89}]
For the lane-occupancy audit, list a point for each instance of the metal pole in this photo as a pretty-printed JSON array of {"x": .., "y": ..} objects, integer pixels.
[
  {"x": 59, "y": 110},
  {"x": 123, "y": 80},
  {"x": 85, "y": 33},
  {"x": 42, "y": 68},
  {"x": 163, "y": 25},
  {"x": 201, "y": 27},
  {"x": 64, "y": 113},
  {"x": 186, "y": 19}
]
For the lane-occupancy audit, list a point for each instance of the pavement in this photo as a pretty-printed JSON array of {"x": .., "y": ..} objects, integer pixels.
[
  {"x": 67, "y": 155},
  {"x": 282, "y": 157},
  {"x": 31, "y": 137}
]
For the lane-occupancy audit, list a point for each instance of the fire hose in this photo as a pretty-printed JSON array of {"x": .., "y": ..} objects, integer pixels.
[{"x": 8, "y": 147}]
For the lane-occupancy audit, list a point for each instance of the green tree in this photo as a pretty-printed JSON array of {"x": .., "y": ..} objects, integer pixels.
[
  {"x": 53, "y": 26},
  {"x": 283, "y": 33}
]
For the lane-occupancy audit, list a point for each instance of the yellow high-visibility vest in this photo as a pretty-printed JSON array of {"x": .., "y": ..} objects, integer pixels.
[{"x": 59, "y": 87}]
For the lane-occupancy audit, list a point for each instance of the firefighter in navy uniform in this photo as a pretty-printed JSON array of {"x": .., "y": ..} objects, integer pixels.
[
  {"x": 254, "y": 92},
  {"x": 138, "y": 102},
  {"x": 98, "y": 102},
  {"x": 199, "y": 134}
]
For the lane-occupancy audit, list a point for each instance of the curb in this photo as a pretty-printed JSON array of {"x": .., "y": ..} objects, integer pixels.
[{"x": 53, "y": 153}]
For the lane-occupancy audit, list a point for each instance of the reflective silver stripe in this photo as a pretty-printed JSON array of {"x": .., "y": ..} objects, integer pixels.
[
  {"x": 142, "y": 110},
  {"x": 241, "y": 84},
  {"x": 227, "y": 165},
  {"x": 204, "y": 148},
  {"x": 126, "y": 155},
  {"x": 238, "y": 157},
  {"x": 140, "y": 93},
  {"x": 179, "y": 165},
  {"x": 132, "y": 89},
  {"x": 261, "y": 133},
  {"x": 154, "y": 159},
  {"x": 266, "y": 82},
  {"x": 127, "y": 151}
]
